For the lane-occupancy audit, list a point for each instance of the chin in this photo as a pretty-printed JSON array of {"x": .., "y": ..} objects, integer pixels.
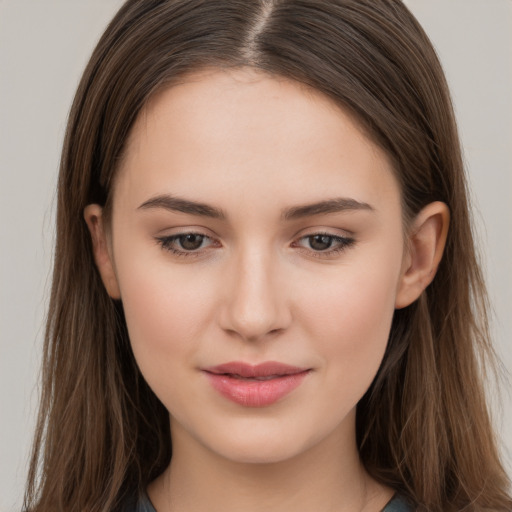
[
  {"x": 258, "y": 453},
  {"x": 255, "y": 446}
]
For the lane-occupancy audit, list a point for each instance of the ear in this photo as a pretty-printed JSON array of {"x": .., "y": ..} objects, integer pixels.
[
  {"x": 425, "y": 246},
  {"x": 93, "y": 215}
]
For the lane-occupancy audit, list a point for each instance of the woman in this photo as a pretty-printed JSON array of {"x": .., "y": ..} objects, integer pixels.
[{"x": 265, "y": 289}]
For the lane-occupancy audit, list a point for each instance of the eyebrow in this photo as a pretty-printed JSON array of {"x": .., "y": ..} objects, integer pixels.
[
  {"x": 336, "y": 205},
  {"x": 177, "y": 204}
]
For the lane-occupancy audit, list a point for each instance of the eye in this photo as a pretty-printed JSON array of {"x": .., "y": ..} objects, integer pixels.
[
  {"x": 320, "y": 242},
  {"x": 324, "y": 243},
  {"x": 190, "y": 241},
  {"x": 185, "y": 244}
]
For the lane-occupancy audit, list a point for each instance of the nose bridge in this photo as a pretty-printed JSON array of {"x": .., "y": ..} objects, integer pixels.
[{"x": 256, "y": 303}]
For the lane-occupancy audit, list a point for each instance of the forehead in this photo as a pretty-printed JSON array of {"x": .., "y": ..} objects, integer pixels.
[
  {"x": 246, "y": 131},
  {"x": 242, "y": 96}
]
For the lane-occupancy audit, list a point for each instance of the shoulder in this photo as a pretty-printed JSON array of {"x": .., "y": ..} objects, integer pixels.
[
  {"x": 140, "y": 504},
  {"x": 398, "y": 504}
]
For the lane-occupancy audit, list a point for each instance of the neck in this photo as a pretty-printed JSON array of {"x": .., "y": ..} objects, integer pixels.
[{"x": 327, "y": 477}]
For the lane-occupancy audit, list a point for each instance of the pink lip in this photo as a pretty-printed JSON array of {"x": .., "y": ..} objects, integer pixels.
[{"x": 238, "y": 382}]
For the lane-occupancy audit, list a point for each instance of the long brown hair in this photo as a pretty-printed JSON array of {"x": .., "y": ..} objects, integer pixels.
[{"x": 423, "y": 427}]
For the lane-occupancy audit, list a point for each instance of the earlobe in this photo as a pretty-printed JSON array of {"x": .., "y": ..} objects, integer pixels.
[
  {"x": 426, "y": 242},
  {"x": 93, "y": 215}
]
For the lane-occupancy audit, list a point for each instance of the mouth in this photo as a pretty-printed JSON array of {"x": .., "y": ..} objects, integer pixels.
[
  {"x": 267, "y": 370},
  {"x": 255, "y": 385}
]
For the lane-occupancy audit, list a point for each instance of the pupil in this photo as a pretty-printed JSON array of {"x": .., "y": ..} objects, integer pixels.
[
  {"x": 320, "y": 242},
  {"x": 191, "y": 242}
]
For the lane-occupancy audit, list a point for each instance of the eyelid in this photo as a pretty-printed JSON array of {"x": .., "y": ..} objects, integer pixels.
[
  {"x": 166, "y": 241},
  {"x": 342, "y": 243}
]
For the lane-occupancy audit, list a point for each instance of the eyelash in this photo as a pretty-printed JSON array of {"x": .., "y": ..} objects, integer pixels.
[
  {"x": 343, "y": 243},
  {"x": 166, "y": 242}
]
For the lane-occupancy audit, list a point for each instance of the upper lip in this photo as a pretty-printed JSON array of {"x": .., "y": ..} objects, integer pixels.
[{"x": 259, "y": 370}]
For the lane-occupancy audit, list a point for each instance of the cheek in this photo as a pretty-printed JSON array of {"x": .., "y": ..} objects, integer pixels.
[
  {"x": 165, "y": 313},
  {"x": 350, "y": 319}
]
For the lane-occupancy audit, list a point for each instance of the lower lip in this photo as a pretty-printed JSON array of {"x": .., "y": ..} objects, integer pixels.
[{"x": 255, "y": 393}]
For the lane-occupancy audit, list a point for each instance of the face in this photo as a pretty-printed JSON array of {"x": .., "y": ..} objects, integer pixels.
[{"x": 253, "y": 224}]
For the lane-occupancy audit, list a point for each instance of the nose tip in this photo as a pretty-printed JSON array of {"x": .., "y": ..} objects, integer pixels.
[
  {"x": 255, "y": 305},
  {"x": 252, "y": 328}
]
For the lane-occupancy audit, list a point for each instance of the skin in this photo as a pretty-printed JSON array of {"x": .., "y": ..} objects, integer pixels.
[{"x": 258, "y": 288}]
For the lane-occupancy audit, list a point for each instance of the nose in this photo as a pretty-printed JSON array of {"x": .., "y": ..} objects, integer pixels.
[{"x": 255, "y": 301}]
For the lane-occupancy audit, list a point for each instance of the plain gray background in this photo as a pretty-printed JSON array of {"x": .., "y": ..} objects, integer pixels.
[{"x": 43, "y": 49}]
